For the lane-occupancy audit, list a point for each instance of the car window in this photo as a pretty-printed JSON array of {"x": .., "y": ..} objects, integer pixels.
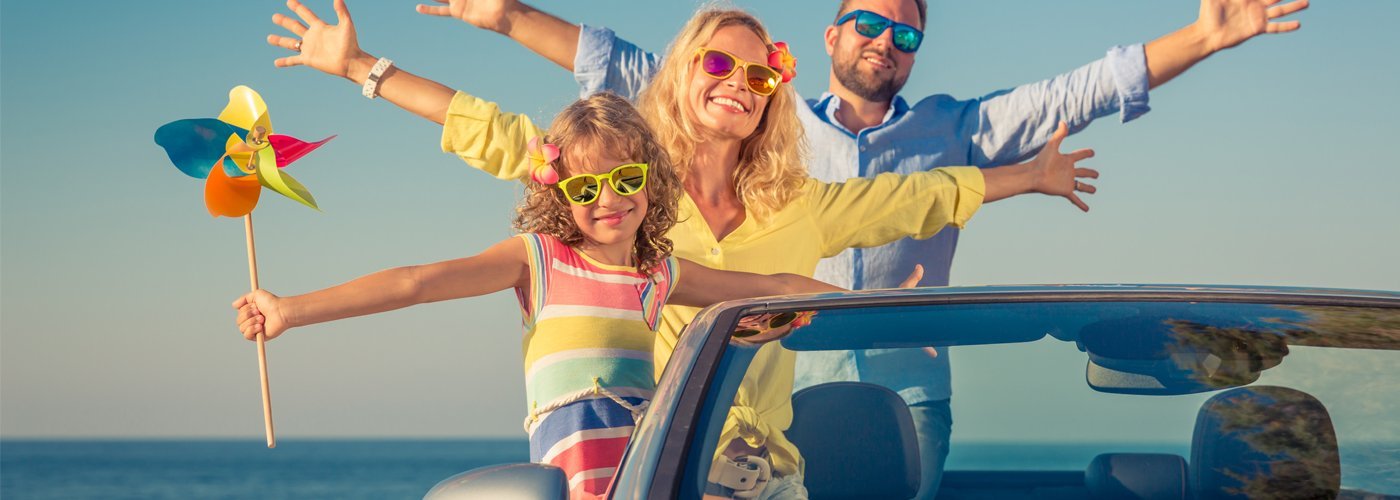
[{"x": 1248, "y": 398}]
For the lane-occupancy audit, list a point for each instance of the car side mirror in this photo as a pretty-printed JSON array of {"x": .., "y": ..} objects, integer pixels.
[{"x": 511, "y": 481}]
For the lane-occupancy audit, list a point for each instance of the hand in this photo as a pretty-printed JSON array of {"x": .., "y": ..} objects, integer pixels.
[
  {"x": 1055, "y": 173},
  {"x": 260, "y": 312},
  {"x": 330, "y": 48},
  {"x": 912, "y": 281},
  {"x": 1227, "y": 23},
  {"x": 484, "y": 14}
]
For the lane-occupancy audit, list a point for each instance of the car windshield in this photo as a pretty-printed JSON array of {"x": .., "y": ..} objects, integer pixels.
[{"x": 1091, "y": 397}]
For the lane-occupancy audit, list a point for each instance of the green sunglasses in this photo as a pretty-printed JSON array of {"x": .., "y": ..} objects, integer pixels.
[{"x": 626, "y": 180}]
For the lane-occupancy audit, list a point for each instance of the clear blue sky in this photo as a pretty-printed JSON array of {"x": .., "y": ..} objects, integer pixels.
[{"x": 1267, "y": 164}]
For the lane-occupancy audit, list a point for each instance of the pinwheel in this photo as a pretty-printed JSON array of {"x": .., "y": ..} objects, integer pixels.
[
  {"x": 237, "y": 154},
  {"x": 241, "y": 140}
]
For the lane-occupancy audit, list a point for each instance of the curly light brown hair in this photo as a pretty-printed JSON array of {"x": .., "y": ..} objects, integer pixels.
[{"x": 605, "y": 122}]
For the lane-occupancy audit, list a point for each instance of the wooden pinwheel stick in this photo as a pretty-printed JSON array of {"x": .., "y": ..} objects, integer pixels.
[{"x": 262, "y": 344}]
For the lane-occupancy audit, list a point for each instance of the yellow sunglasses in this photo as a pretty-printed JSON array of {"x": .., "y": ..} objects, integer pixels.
[
  {"x": 626, "y": 180},
  {"x": 761, "y": 79}
]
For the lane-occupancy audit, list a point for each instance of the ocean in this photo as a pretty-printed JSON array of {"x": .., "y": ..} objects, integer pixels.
[{"x": 392, "y": 469}]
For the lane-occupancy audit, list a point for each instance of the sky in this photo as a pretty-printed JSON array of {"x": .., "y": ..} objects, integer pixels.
[{"x": 1266, "y": 164}]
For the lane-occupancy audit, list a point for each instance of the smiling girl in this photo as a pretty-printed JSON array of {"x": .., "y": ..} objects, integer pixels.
[{"x": 591, "y": 268}]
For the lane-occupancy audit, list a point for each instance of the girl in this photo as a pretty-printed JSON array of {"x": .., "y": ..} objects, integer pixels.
[{"x": 591, "y": 268}]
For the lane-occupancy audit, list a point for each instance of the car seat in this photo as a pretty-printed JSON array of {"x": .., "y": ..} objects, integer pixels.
[
  {"x": 858, "y": 441},
  {"x": 1155, "y": 476},
  {"x": 1264, "y": 442}
]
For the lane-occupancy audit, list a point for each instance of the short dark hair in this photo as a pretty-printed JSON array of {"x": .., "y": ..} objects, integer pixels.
[{"x": 922, "y": 4}]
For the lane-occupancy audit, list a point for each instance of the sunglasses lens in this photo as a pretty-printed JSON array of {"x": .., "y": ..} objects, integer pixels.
[
  {"x": 762, "y": 79},
  {"x": 871, "y": 24},
  {"x": 907, "y": 39},
  {"x": 782, "y": 319},
  {"x": 581, "y": 190},
  {"x": 629, "y": 179},
  {"x": 745, "y": 333},
  {"x": 717, "y": 64}
]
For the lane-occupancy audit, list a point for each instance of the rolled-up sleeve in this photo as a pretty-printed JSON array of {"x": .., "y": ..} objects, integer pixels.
[
  {"x": 1128, "y": 64},
  {"x": 478, "y": 132},
  {"x": 870, "y": 212},
  {"x": 1012, "y": 125},
  {"x": 606, "y": 63}
]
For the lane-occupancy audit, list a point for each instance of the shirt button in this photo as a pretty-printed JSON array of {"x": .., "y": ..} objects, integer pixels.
[
  {"x": 863, "y": 148},
  {"x": 714, "y": 250}
]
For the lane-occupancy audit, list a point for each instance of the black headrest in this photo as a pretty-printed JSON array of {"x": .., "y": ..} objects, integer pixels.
[
  {"x": 1264, "y": 442},
  {"x": 858, "y": 441},
  {"x": 1153, "y": 476}
]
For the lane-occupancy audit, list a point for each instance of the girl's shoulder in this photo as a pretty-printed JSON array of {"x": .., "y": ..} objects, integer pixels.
[{"x": 545, "y": 246}]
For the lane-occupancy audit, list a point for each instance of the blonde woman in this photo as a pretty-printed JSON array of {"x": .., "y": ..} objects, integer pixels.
[{"x": 748, "y": 204}]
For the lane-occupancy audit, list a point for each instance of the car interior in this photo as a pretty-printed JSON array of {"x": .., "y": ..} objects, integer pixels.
[
  {"x": 858, "y": 442},
  {"x": 1250, "y": 439}
]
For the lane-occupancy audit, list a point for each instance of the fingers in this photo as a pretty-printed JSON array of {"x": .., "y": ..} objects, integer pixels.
[
  {"x": 1286, "y": 9},
  {"x": 342, "y": 13},
  {"x": 1074, "y": 198},
  {"x": 932, "y": 352},
  {"x": 1283, "y": 27},
  {"x": 1086, "y": 172},
  {"x": 251, "y": 327},
  {"x": 914, "y": 277},
  {"x": 304, "y": 13},
  {"x": 239, "y": 302},
  {"x": 1082, "y": 154},
  {"x": 285, "y": 42},
  {"x": 435, "y": 10},
  {"x": 1085, "y": 187},
  {"x": 1056, "y": 138},
  {"x": 287, "y": 62},
  {"x": 249, "y": 320},
  {"x": 289, "y": 24}
]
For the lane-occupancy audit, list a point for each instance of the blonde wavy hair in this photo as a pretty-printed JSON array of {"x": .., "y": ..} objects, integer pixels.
[
  {"x": 771, "y": 171},
  {"x": 605, "y": 122}
]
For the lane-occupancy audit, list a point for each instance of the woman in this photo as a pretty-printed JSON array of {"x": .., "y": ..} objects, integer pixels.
[{"x": 748, "y": 204}]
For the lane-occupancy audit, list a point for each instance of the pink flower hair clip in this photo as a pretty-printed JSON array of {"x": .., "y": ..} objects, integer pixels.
[
  {"x": 542, "y": 156},
  {"x": 782, "y": 60}
]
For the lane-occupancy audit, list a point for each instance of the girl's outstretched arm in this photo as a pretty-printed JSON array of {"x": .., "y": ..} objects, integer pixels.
[
  {"x": 701, "y": 286},
  {"x": 334, "y": 49},
  {"x": 500, "y": 267}
]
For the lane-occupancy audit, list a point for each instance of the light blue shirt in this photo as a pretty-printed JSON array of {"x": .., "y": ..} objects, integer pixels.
[{"x": 1000, "y": 128}]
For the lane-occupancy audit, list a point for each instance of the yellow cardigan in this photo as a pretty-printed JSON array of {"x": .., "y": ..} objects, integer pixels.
[{"x": 825, "y": 220}]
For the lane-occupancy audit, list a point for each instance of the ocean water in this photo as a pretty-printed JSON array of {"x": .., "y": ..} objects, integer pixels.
[
  {"x": 158, "y": 469},
  {"x": 391, "y": 469}
]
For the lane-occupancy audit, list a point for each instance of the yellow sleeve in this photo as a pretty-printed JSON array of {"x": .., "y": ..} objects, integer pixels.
[
  {"x": 495, "y": 142},
  {"x": 863, "y": 212}
]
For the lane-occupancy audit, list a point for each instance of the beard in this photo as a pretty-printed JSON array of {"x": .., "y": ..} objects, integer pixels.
[{"x": 868, "y": 86}]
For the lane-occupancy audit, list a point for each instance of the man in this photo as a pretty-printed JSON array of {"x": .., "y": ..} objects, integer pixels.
[{"x": 863, "y": 127}]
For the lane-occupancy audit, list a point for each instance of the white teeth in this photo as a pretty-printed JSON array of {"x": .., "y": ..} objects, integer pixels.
[
  {"x": 725, "y": 101},
  {"x": 879, "y": 62}
]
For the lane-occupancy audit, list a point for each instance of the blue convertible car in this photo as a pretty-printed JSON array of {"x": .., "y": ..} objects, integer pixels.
[{"x": 1060, "y": 392}]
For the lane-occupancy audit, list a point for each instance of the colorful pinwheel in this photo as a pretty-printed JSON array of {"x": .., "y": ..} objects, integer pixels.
[
  {"x": 241, "y": 140},
  {"x": 237, "y": 154}
]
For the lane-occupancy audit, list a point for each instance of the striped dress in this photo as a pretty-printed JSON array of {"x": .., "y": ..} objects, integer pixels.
[{"x": 589, "y": 330}]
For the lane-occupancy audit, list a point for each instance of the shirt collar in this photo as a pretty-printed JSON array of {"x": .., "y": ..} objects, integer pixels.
[{"x": 828, "y": 104}]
